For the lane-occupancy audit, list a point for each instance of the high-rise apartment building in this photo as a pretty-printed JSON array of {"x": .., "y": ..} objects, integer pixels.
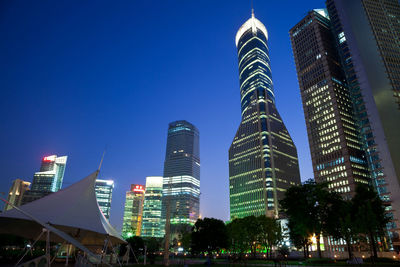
[
  {"x": 152, "y": 225},
  {"x": 48, "y": 180},
  {"x": 133, "y": 212},
  {"x": 104, "y": 189},
  {"x": 367, "y": 34},
  {"x": 336, "y": 151},
  {"x": 181, "y": 185},
  {"x": 262, "y": 158},
  {"x": 16, "y": 193}
]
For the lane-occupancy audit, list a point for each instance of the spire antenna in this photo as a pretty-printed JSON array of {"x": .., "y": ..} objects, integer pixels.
[
  {"x": 101, "y": 161},
  {"x": 252, "y": 9}
]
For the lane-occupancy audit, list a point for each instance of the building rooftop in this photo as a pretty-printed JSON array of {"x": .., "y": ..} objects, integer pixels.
[{"x": 253, "y": 24}]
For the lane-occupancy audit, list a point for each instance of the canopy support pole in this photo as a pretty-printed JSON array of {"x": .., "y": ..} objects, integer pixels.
[
  {"x": 66, "y": 260},
  {"x": 30, "y": 249},
  {"x": 133, "y": 252},
  {"x": 113, "y": 249},
  {"x": 48, "y": 247},
  {"x": 104, "y": 249}
]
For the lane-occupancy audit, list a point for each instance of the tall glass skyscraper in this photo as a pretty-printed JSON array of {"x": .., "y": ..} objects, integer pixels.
[
  {"x": 347, "y": 60},
  {"x": 152, "y": 224},
  {"x": 48, "y": 180},
  {"x": 104, "y": 189},
  {"x": 262, "y": 158},
  {"x": 336, "y": 152},
  {"x": 133, "y": 212},
  {"x": 181, "y": 185},
  {"x": 367, "y": 34}
]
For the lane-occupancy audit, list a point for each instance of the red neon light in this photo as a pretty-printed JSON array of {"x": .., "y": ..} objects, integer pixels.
[
  {"x": 138, "y": 190},
  {"x": 48, "y": 159}
]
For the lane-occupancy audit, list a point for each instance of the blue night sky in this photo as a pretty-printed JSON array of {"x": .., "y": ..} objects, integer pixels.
[{"x": 77, "y": 77}]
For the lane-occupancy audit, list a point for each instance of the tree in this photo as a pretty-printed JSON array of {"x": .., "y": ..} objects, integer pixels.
[
  {"x": 299, "y": 235},
  {"x": 270, "y": 232},
  {"x": 238, "y": 237},
  {"x": 137, "y": 245},
  {"x": 370, "y": 217},
  {"x": 209, "y": 235},
  {"x": 322, "y": 209},
  {"x": 249, "y": 232},
  {"x": 296, "y": 207},
  {"x": 341, "y": 223},
  {"x": 253, "y": 230},
  {"x": 186, "y": 240},
  {"x": 309, "y": 206},
  {"x": 153, "y": 245}
]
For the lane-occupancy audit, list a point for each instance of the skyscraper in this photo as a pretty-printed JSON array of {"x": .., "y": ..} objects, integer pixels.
[
  {"x": 181, "y": 185},
  {"x": 151, "y": 224},
  {"x": 48, "y": 180},
  {"x": 104, "y": 189},
  {"x": 367, "y": 34},
  {"x": 16, "y": 193},
  {"x": 262, "y": 158},
  {"x": 336, "y": 151},
  {"x": 133, "y": 212}
]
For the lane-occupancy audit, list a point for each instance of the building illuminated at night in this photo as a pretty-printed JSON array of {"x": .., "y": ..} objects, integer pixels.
[
  {"x": 48, "y": 180},
  {"x": 133, "y": 211},
  {"x": 151, "y": 224},
  {"x": 349, "y": 75},
  {"x": 373, "y": 73},
  {"x": 336, "y": 151},
  {"x": 16, "y": 193},
  {"x": 263, "y": 159},
  {"x": 181, "y": 184},
  {"x": 104, "y": 189}
]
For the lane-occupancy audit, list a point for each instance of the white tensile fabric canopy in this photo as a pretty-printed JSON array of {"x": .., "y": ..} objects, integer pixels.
[{"x": 73, "y": 210}]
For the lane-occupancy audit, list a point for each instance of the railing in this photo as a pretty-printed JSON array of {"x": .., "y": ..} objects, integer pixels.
[{"x": 38, "y": 262}]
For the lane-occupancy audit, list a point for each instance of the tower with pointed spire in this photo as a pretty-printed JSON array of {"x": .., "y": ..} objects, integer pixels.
[{"x": 262, "y": 158}]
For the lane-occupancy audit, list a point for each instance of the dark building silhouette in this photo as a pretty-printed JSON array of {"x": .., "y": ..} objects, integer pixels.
[{"x": 262, "y": 158}]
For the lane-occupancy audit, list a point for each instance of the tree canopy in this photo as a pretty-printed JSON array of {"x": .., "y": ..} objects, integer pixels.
[{"x": 312, "y": 209}]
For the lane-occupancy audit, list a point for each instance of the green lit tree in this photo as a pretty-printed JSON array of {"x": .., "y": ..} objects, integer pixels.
[
  {"x": 238, "y": 237},
  {"x": 209, "y": 235},
  {"x": 270, "y": 233}
]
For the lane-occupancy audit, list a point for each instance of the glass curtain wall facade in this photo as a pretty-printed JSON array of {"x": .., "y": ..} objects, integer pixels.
[
  {"x": 263, "y": 159},
  {"x": 16, "y": 193},
  {"x": 152, "y": 225},
  {"x": 104, "y": 189},
  {"x": 48, "y": 180},
  {"x": 336, "y": 151},
  {"x": 181, "y": 185},
  {"x": 373, "y": 73},
  {"x": 133, "y": 211}
]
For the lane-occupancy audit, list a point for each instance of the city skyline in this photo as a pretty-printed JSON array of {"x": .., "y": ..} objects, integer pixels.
[{"x": 113, "y": 120}]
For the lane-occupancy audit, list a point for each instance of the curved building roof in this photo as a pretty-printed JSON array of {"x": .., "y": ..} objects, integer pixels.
[{"x": 252, "y": 23}]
